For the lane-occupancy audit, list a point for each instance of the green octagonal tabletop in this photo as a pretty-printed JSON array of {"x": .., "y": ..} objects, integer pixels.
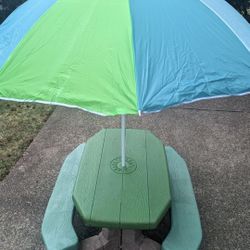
[{"x": 135, "y": 198}]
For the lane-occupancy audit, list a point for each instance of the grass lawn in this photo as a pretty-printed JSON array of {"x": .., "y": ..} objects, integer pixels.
[{"x": 19, "y": 124}]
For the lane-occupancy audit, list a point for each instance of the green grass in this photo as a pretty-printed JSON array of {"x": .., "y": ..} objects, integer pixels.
[{"x": 19, "y": 124}]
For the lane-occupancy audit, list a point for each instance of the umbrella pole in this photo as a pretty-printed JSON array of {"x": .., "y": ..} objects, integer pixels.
[{"x": 123, "y": 140}]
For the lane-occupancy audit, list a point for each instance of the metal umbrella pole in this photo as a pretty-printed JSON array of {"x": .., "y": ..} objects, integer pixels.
[{"x": 123, "y": 140}]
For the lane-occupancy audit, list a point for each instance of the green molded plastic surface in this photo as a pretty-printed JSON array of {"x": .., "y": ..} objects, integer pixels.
[
  {"x": 136, "y": 198},
  {"x": 186, "y": 232},
  {"x": 57, "y": 230}
]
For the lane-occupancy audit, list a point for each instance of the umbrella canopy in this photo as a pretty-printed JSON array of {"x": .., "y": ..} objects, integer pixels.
[{"x": 123, "y": 57}]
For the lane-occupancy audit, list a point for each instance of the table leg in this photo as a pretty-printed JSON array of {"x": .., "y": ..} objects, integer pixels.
[{"x": 119, "y": 240}]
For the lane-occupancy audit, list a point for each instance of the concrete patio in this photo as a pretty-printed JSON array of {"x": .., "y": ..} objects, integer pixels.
[{"x": 212, "y": 136}]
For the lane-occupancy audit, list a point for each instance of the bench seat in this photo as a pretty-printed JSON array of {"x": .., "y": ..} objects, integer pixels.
[
  {"x": 57, "y": 230},
  {"x": 186, "y": 232}
]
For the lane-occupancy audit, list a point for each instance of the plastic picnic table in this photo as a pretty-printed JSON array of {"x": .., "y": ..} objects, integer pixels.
[{"x": 136, "y": 197}]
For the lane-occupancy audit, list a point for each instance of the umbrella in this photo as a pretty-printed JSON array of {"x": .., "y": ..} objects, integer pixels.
[{"x": 122, "y": 57}]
